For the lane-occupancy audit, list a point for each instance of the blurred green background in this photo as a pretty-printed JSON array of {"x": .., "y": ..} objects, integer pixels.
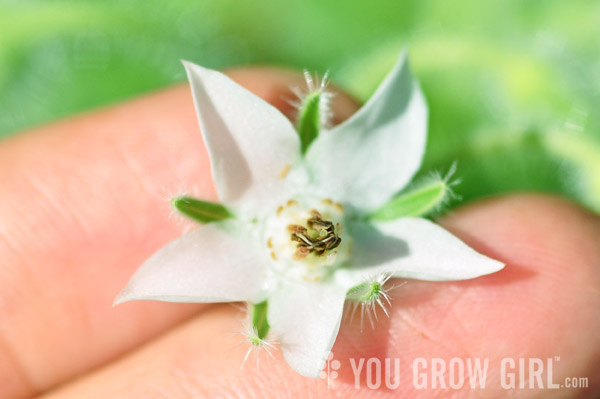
[{"x": 513, "y": 85}]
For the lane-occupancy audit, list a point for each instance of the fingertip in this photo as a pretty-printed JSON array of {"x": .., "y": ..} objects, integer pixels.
[
  {"x": 549, "y": 287},
  {"x": 556, "y": 227}
]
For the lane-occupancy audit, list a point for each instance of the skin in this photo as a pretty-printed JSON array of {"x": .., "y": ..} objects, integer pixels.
[{"x": 82, "y": 207}]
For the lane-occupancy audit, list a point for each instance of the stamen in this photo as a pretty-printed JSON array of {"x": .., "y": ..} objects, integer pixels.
[
  {"x": 301, "y": 253},
  {"x": 323, "y": 237},
  {"x": 296, "y": 229},
  {"x": 305, "y": 238}
]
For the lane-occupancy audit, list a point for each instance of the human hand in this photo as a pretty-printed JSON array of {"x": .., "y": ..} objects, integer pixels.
[{"x": 82, "y": 209}]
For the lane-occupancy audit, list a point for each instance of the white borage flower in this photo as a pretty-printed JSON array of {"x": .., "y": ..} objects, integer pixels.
[{"x": 306, "y": 217}]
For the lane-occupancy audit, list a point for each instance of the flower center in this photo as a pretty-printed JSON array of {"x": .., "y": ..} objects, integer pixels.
[
  {"x": 318, "y": 237},
  {"x": 306, "y": 238}
]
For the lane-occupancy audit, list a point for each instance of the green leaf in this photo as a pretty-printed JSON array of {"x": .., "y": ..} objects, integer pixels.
[
  {"x": 309, "y": 120},
  {"x": 201, "y": 211},
  {"x": 419, "y": 201},
  {"x": 259, "y": 320}
]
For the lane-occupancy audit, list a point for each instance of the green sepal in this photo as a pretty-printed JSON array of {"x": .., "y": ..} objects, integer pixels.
[
  {"x": 309, "y": 120},
  {"x": 421, "y": 200},
  {"x": 260, "y": 325},
  {"x": 365, "y": 292},
  {"x": 201, "y": 211}
]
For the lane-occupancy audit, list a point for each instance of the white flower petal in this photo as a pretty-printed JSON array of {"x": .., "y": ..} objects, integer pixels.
[
  {"x": 414, "y": 248},
  {"x": 249, "y": 141},
  {"x": 375, "y": 153},
  {"x": 213, "y": 263},
  {"x": 305, "y": 319}
]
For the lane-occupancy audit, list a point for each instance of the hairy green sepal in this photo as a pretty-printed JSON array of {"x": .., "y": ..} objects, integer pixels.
[
  {"x": 365, "y": 292},
  {"x": 416, "y": 202},
  {"x": 201, "y": 211},
  {"x": 309, "y": 120},
  {"x": 260, "y": 325}
]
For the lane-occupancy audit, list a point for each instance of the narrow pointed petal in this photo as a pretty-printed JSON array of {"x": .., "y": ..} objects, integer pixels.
[
  {"x": 213, "y": 263},
  {"x": 414, "y": 248},
  {"x": 305, "y": 318},
  {"x": 375, "y": 153},
  {"x": 249, "y": 141}
]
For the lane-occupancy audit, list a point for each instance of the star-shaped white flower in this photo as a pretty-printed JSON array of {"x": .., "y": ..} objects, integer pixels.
[{"x": 297, "y": 236}]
